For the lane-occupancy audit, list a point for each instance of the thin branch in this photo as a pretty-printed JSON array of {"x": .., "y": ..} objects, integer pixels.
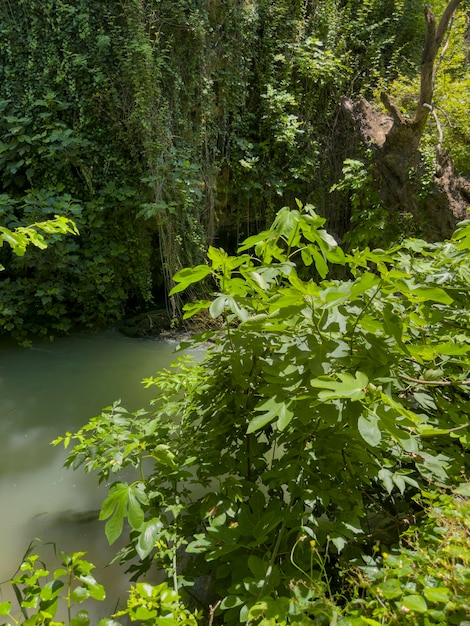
[
  {"x": 437, "y": 383},
  {"x": 444, "y": 48},
  {"x": 212, "y": 610},
  {"x": 439, "y": 128}
]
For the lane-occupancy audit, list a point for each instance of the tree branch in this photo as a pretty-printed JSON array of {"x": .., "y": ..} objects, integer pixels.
[
  {"x": 434, "y": 37},
  {"x": 437, "y": 383}
]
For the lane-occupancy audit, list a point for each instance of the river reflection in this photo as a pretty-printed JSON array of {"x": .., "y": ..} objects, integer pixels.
[{"x": 45, "y": 391}]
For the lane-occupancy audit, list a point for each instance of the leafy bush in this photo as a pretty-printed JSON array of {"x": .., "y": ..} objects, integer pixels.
[
  {"x": 44, "y": 595},
  {"x": 41, "y": 593},
  {"x": 322, "y": 407},
  {"x": 428, "y": 579}
]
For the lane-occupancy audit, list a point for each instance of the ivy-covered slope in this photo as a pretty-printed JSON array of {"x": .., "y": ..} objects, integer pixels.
[{"x": 166, "y": 126}]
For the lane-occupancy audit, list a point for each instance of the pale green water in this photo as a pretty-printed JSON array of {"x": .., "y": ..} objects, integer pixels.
[{"x": 45, "y": 391}]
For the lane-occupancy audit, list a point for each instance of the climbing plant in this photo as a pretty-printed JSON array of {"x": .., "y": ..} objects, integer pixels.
[{"x": 162, "y": 152}]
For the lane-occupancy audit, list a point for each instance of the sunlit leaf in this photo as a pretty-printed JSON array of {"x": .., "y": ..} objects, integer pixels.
[{"x": 369, "y": 429}]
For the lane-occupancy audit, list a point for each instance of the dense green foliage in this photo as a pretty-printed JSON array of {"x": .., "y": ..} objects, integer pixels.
[
  {"x": 425, "y": 580},
  {"x": 272, "y": 477},
  {"x": 166, "y": 126},
  {"x": 64, "y": 152},
  {"x": 300, "y": 439},
  {"x": 428, "y": 579}
]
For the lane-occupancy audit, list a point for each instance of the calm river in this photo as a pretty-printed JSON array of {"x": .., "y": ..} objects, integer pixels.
[{"x": 45, "y": 391}]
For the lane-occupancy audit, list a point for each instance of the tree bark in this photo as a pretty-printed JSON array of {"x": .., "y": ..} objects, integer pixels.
[{"x": 395, "y": 140}]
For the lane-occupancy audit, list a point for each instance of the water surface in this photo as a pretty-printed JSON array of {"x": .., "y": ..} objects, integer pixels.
[{"x": 44, "y": 392}]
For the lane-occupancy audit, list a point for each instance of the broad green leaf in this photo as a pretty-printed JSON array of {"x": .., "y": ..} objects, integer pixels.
[
  {"x": 423, "y": 293},
  {"x": 437, "y": 594},
  {"x": 257, "y": 566},
  {"x": 271, "y": 410},
  {"x": 399, "y": 482},
  {"x": 147, "y": 536},
  {"x": 80, "y": 594},
  {"x": 113, "y": 527},
  {"x": 285, "y": 416},
  {"x": 51, "y": 589},
  {"x": 339, "y": 542},
  {"x": 320, "y": 263},
  {"x": 218, "y": 256},
  {"x": 394, "y": 326},
  {"x": 134, "y": 511},
  {"x": 5, "y": 608},
  {"x": 239, "y": 311},
  {"x": 81, "y": 619},
  {"x": 217, "y": 306},
  {"x": 391, "y": 588},
  {"x": 463, "y": 490},
  {"x": 192, "y": 308},
  {"x": 123, "y": 500},
  {"x": 253, "y": 240},
  {"x": 258, "y": 278},
  {"x": 451, "y": 349},
  {"x": 163, "y": 454},
  {"x": 413, "y": 418},
  {"x": 327, "y": 238},
  {"x": 415, "y": 603},
  {"x": 96, "y": 590},
  {"x": 352, "y": 387},
  {"x": 109, "y": 503},
  {"x": 188, "y": 276},
  {"x": 385, "y": 475},
  {"x": 307, "y": 258},
  {"x": 369, "y": 429},
  {"x": 425, "y": 400}
]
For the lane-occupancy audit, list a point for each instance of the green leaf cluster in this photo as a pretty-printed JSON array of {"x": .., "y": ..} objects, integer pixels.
[
  {"x": 42, "y": 594},
  {"x": 320, "y": 408},
  {"x": 22, "y": 236},
  {"x": 426, "y": 580}
]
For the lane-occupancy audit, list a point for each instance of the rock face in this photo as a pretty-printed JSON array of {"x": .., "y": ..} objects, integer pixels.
[{"x": 146, "y": 325}]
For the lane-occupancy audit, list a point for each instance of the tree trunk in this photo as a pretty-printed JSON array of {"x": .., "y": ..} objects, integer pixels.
[{"x": 395, "y": 142}]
